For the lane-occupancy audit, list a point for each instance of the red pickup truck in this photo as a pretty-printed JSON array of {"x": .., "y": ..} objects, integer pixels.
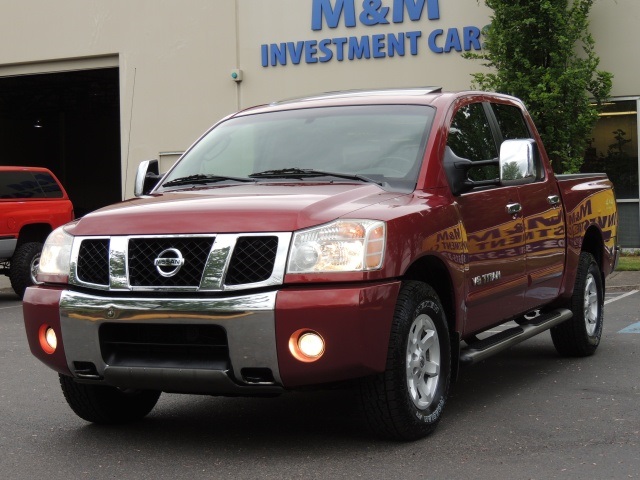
[
  {"x": 374, "y": 237},
  {"x": 32, "y": 204}
]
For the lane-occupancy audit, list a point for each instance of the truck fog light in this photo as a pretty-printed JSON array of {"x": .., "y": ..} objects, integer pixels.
[
  {"x": 48, "y": 339},
  {"x": 306, "y": 345}
]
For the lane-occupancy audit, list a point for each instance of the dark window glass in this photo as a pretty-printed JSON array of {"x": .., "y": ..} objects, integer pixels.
[
  {"x": 511, "y": 121},
  {"x": 49, "y": 186},
  {"x": 20, "y": 184},
  {"x": 614, "y": 147},
  {"x": 470, "y": 138}
]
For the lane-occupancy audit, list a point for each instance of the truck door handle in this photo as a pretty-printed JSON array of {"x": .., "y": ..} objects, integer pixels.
[
  {"x": 514, "y": 208},
  {"x": 554, "y": 200}
]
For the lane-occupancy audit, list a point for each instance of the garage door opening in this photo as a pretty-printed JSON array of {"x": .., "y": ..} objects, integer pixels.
[{"x": 70, "y": 123}]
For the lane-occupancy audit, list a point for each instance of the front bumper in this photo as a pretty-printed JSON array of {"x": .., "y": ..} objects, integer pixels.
[{"x": 354, "y": 320}]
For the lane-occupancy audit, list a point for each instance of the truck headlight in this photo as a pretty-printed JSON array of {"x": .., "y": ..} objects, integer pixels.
[
  {"x": 340, "y": 246},
  {"x": 55, "y": 258}
]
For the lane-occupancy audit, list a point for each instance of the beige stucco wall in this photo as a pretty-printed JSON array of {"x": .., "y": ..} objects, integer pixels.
[
  {"x": 613, "y": 25},
  {"x": 176, "y": 57}
]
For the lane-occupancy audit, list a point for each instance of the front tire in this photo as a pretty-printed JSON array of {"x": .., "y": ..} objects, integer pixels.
[
  {"x": 107, "y": 405},
  {"x": 24, "y": 266},
  {"x": 406, "y": 401},
  {"x": 580, "y": 336}
]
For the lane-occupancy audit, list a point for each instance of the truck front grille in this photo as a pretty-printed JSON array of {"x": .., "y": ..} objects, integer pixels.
[
  {"x": 93, "y": 261},
  {"x": 205, "y": 262},
  {"x": 169, "y": 346},
  {"x": 144, "y": 251},
  {"x": 252, "y": 260}
]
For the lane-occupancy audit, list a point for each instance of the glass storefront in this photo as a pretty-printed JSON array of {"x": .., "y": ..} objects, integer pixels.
[{"x": 614, "y": 149}]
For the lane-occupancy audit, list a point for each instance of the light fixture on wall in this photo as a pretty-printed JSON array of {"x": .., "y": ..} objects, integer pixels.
[{"x": 617, "y": 114}]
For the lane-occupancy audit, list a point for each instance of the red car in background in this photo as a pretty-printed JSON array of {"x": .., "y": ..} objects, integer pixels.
[{"x": 33, "y": 203}]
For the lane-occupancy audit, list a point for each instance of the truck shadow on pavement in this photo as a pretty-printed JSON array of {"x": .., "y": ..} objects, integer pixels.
[{"x": 7, "y": 295}]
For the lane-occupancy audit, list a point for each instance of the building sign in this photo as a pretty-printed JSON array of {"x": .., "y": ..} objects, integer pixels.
[{"x": 330, "y": 14}]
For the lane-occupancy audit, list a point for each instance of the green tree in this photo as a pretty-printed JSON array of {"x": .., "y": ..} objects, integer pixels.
[{"x": 542, "y": 52}]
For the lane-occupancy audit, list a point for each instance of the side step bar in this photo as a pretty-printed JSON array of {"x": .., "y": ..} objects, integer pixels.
[{"x": 500, "y": 341}]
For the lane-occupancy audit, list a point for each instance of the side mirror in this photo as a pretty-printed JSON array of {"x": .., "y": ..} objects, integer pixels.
[
  {"x": 147, "y": 177},
  {"x": 518, "y": 162},
  {"x": 457, "y": 171}
]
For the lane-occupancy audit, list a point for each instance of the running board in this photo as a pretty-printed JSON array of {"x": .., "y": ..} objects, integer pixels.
[{"x": 500, "y": 341}]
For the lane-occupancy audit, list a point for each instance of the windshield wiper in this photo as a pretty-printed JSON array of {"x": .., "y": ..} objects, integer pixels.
[
  {"x": 201, "y": 179},
  {"x": 309, "y": 172}
]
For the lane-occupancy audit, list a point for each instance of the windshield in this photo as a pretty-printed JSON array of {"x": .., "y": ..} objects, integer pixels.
[{"x": 383, "y": 144}]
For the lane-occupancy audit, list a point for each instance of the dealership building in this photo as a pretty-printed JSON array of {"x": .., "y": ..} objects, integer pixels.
[{"x": 89, "y": 88}]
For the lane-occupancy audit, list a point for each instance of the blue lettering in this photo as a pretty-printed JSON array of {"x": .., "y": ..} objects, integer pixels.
[
  {"x": 432, "y": 41},
  {"x": 278, "y": 54},
  {"x": 340, "y": 43},
  {"x": 310, "y": 51},
  {"x": 471, "y": 38},
  {"x": 453, "y": 41},
  {"x": 328, "y": 54},
  {"x": 323, "y": 9},
  {"x": 264, "y": 53},
  {"x": 396, "y": 44},
  {"x": 377, "y": 46},
  {"x": 359, "y": 49},
  {"x": 414, "y": 9},
  {"x": 413, "y": 41},
  {"x": 295, "y": 51},
  {"x": 373, "y": 13}
]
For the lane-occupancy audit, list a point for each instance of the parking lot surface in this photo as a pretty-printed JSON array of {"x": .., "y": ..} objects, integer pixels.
[{"x": 524, "y": 414}]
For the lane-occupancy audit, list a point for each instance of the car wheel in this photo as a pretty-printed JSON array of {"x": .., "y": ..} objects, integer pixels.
[
  {"x": 406, "y": 401},
  {"x": 580, "y": 335},
  {"x": 106, "y": 404},
  {"x": 24, "y": 266}
]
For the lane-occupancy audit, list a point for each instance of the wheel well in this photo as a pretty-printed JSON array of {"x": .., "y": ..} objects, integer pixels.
[
  {"x": 593, "y": 244},
  {"x": 433, "y": 271},
  {"x": 36, "y": 232}
]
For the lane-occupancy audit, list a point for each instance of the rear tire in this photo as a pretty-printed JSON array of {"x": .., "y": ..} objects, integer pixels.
[
  {"x": 406, "y": 401},
  {"x": 107, "y": 405},
  {"x": 24, "y": 266},
  {"x": 580, "y": 336}
]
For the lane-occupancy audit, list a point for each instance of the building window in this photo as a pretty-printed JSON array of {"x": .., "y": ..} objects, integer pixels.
[{"x": 614, "y": 149}]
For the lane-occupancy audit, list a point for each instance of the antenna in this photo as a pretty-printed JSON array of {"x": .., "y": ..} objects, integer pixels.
[{"x": 126, "y": 168}]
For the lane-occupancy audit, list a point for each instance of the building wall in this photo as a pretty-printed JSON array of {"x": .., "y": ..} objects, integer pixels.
[
  {"x": 612, "y": 25},
  {"x": 174, "y": 59},
  {"x": 276, "y": 22}
]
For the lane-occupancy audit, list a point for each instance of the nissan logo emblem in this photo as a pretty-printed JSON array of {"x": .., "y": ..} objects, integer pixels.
[{"x": 169, "y": 262}]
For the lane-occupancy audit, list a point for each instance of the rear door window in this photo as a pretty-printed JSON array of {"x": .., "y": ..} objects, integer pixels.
[
  {"x": 25, "y": 184},
  {"x": 511, "y": 122}
]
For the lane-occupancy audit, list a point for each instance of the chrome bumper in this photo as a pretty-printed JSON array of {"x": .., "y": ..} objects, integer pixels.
[{"x": 248, "y": 321}]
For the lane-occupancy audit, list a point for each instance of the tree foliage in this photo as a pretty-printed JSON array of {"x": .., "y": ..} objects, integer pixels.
[{"x": 542, "y": 52}]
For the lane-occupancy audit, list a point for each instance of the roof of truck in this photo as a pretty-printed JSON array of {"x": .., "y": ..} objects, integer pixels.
[{"x": 429, "y": 95}]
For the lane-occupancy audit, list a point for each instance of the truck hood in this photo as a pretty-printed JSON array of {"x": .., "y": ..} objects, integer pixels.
[{"x": 233, "y": 208}]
